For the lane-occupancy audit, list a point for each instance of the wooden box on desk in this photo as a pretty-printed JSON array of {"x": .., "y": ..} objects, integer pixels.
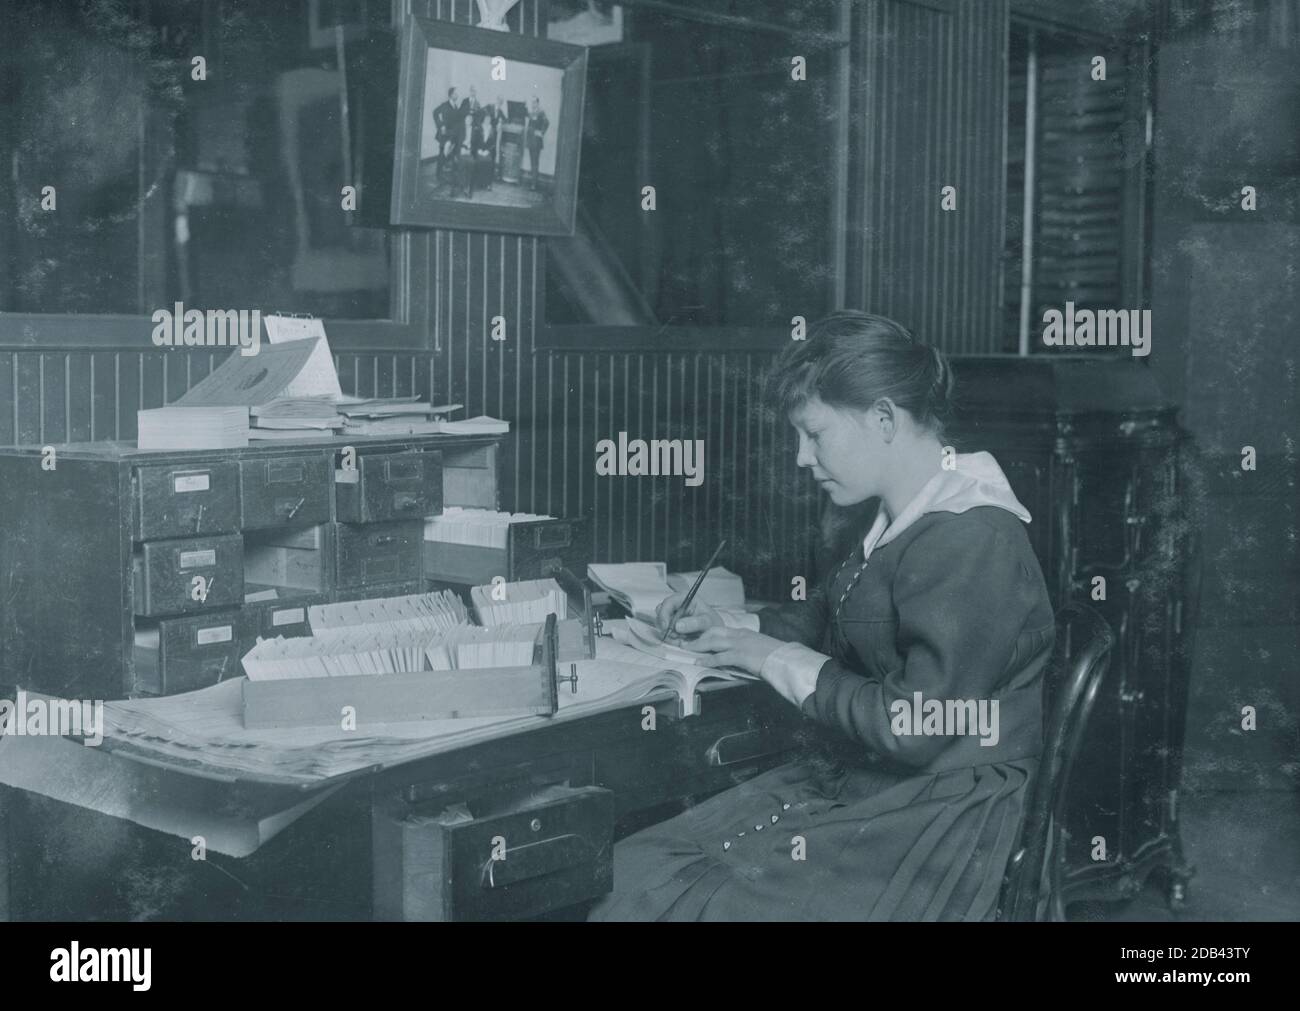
[{"x": 508, "y": 861}]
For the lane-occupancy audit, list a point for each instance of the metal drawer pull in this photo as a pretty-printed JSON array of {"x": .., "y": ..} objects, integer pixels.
[
  {"x": 383, "y": 540},
  {"x": 534, "y": 859},
  {"x": 746, "y": 746}
]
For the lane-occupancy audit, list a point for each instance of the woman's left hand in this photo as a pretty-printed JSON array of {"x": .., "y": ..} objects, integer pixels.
[{"x": 732, "y": 647}]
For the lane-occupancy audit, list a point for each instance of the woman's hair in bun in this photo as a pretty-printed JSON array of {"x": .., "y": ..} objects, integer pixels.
[{"x": 853, "y": 359}]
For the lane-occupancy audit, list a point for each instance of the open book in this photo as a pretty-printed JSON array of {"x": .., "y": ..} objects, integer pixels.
[{"x": 622, "y": 674}]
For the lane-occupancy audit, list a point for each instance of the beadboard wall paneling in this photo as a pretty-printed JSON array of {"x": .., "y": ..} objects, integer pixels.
[
  {"x": 928, "y": 109},
  {"x": 932, "y": 83}
]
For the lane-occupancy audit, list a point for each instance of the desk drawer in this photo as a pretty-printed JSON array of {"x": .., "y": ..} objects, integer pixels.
[
  {"x": 182, "y": 501},
  {"x": 374, "y": 553},
  {"x": 184, "y": 654},
  {"x": 518, "y": 863},
  {"x": 166, "y": 573},
  {"x": 390, "y": 486},
  {"x": 277, "y": 490}
]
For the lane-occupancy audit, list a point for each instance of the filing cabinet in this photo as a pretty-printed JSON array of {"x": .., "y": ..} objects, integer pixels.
[{"x": 131, "y": 572}]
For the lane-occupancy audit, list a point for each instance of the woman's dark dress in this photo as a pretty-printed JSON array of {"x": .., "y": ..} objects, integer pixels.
[{"x": 890, "y": 826}]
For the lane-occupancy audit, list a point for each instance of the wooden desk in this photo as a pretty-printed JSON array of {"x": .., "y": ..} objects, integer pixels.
[{"x": 68, "y": 863}]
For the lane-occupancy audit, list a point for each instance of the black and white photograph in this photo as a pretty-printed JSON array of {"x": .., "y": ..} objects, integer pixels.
[
  {"x": 491, "y": 150},
  {"x": 746, "y": 461},
  {"x": 499, "y": 121}
]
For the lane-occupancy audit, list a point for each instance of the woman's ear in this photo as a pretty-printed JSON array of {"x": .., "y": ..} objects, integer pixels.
[{"x": 884, "y": 416}]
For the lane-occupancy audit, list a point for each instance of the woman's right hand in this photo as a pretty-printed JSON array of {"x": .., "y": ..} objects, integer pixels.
[{"x": 701, "y": 617}]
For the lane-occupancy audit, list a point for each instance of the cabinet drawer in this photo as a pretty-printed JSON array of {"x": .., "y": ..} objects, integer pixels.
[
  {"x": 390, "y": 486},
  {"x": 272, "y": 618},
  {"x": 374, "y": 553},
  {"x": 166, "y": 573},
  {"x": 284, "y": 489},
  {"x": 534, "y": 550},
  {"x": 182, "y": 501},
  {"x": 184, "y": 654},
  {"x": 498, "y": 866}
]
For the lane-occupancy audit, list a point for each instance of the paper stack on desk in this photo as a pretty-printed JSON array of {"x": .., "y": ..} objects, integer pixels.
[
  {"x": 192, "y": 428},
  {"x": 638, "y": 586},
  {"x": 521, "y": 603},
  {"x": 442, "y": 609},
  {"x": 393, "y": 416},
  {"x": 294, "y": 418},
  {"x": 480, "y": 425}
]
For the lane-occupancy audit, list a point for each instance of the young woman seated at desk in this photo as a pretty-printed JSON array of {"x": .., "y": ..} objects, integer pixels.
[{"x": 921, "y": 656}]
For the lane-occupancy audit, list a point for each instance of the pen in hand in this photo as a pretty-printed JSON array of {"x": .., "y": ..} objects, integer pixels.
[{"x": 690, "y": 594}]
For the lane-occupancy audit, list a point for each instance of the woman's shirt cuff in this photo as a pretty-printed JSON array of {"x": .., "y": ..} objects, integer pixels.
[{"x": 792, "y": 670}]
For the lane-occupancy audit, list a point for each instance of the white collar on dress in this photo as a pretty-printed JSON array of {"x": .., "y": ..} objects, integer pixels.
[{"x": 976, "y": 480}]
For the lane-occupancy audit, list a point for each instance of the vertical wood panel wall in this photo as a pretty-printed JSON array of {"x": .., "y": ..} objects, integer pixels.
[
  {"x": 933, "y": 89},
  {"x": 930, "y": 111}
]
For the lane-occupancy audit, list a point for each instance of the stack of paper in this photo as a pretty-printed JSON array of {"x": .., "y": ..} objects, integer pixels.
[
  {"x": 481, "y": 425},
  {"x": 638, "y": 586},
  {"x": 721, "y": 588},
  {"x": 192, "y": 428},
  {"x": 485, "y": 528},
  {"x": 294, "y": 418},
  {"x": 390, "y": 648},
  {"x": 469, "y": 646},
  {"x": 521, "y": 603},
  {"x": 343, "y": 653},
  {"x": 441, "y": 610},
  {"x": 392, "y": 416}
]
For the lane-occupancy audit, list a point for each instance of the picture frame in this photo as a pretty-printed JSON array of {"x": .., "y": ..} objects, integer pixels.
[{"x": 489, "y": 129}]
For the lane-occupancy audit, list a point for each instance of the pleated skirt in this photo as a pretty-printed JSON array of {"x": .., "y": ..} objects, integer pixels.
[{"x": 807, "y": 842}]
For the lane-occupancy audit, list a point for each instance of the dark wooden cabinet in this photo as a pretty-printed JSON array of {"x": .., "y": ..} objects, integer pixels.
[
  {"x": 129, "y": 572},
  {"x": 1095, "y": 453}
]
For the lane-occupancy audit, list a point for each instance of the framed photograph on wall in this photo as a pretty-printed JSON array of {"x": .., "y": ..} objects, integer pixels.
[{"x": 489, "y": 129}]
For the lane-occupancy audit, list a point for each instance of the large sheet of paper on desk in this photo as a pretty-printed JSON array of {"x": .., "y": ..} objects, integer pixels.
[
  {"x": 202, "y": 732},
  {"x": 247, "y": 381}
]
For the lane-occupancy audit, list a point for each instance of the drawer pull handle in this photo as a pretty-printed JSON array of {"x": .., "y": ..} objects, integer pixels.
[
  {"x": 383, "y": 540},
  {"x": 554, "y": 536},
  {"x": 534, "y": 859},
  {"x": 406, "y": 501},
  {"x": 746, "y": 746},
  {"x": 293, "y": 509}
]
